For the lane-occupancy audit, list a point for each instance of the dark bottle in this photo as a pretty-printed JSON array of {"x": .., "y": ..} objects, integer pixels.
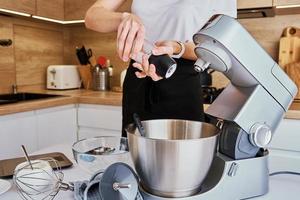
[{"x": 165, "y": 64}]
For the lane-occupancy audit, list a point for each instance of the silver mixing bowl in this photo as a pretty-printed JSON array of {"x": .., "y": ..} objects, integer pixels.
[{"x": 174, "y": 157}]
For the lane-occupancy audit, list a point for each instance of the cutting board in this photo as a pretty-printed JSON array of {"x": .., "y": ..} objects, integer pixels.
[
  {"x": 289, "y": 46},
  {"x": 293, "y": 70}
]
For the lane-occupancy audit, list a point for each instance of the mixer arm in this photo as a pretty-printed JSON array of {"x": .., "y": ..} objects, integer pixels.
[{"x": 259, "y": 92}]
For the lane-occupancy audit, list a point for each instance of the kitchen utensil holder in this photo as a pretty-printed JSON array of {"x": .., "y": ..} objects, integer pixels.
[
  {"x": 100, "y": 78},
  {"x": 86, "y": 76}
]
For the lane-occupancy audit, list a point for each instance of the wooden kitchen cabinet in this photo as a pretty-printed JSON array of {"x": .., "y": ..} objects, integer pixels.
[
  {"x": 99, "y": 120},
  {"x": 26, "y": 6},
  {"x": 76, "y": 9},
  {"x": 53, "y": 9},
  {"x": 245, "y": 4},
  {"x": 286, "y": 2}
]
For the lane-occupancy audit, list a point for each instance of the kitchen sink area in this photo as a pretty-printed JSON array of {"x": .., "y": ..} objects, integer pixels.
[{"x": 24, "y": 97}]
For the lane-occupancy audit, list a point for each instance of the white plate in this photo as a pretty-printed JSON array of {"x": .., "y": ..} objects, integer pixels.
[{"x": 4, "y": 186}]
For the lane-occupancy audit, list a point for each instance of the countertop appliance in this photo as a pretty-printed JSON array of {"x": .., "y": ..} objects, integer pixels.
[
  {"x": 62, "y": 77},
  {"x": 248, "y": 112}
]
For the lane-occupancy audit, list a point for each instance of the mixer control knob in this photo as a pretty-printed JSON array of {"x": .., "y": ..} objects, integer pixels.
[{"x": 260, "y": 135}]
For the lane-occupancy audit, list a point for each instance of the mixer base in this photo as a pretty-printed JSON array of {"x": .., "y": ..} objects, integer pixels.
[{"x": 230, "y": 180}]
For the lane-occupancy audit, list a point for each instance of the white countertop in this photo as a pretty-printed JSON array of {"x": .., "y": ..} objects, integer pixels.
[{"x": 281, "y": 186}]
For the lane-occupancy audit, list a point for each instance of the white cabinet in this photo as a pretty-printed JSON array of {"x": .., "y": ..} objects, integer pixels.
[
  {"x": 37, "y": 129},
  {"x": 99, "y": 120},
  {"x": 56, "y": 126},
  {"x": 15, "y": 130},
  {"x": 285, "y": 147}
]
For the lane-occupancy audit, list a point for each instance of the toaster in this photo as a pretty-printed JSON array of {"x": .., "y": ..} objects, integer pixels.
[{"x": 62, "y": 77}]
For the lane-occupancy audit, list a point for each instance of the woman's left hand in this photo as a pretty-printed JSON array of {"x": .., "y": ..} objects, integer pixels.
[{"x": 162, "y": 47}]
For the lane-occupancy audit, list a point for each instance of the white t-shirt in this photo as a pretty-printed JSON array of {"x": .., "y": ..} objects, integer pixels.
[{"x": 178, "y": 19}]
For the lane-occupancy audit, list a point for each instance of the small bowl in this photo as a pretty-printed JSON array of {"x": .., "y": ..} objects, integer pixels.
[{"x": 97, "y": 153}]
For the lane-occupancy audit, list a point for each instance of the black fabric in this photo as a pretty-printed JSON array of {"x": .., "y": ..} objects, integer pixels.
[{"x": 178, "y": 97}]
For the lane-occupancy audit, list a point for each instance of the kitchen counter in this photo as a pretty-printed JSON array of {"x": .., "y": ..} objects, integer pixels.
[
  {"x": 69, "y": 97},
  {"x": 91, "y": 97},
  {"x": 281, "y": 186}
]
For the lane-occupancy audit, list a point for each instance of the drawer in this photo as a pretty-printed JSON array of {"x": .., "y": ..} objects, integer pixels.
[{"x": 100, "y": 116}]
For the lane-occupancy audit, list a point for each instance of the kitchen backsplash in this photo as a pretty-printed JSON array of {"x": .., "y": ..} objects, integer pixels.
[{"x": 37, "y": 45}]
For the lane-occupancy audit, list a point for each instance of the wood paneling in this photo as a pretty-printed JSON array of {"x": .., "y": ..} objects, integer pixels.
[
  {"x": 243, "y": 4},
  {"x": 126, "y": 6},
  {"x": 76, "y": 9},
  {"x": 39, "y": 44},
  {"x": 7, "y": 65},
  {"x": 35, "y": 50},
  {"x": 27, "y": 6},
  {"x": 36, "y": 44},
  {"x": 267, "y": 31},
  {"x": 286, "y": 2},
  {"x": 101, "y": 44},
  {"x": 53, "y": 9}
]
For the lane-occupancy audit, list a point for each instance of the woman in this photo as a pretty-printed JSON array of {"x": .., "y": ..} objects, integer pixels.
[{"x": 170, "y": 24}]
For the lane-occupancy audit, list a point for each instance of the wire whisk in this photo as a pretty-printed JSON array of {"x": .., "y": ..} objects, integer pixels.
[{"x": 36, "y": 179}]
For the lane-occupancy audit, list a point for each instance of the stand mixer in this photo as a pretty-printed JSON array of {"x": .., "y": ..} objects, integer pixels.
[
  {"x": 178, "y": 159},
  {"x": 249, "y": 110}
]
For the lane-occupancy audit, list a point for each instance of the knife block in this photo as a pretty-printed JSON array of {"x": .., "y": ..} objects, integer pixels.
[
  {"x": 293, "y": 70},
  {"x": 86, "y": 76},
  {"x": 289, "y": 46}
]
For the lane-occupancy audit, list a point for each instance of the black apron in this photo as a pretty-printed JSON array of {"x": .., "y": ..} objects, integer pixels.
[{"x": 178, "y": 97}]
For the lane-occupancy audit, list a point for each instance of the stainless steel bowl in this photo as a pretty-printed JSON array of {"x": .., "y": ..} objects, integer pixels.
[{"x": 174, "y": 157}]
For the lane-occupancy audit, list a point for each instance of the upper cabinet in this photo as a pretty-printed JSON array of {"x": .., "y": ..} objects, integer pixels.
[
  {"x": 244, "y": 4},
  {"x": 53, "y": 9},
  {"x": 285, "y": 2},
  {"x": 25, "y": 6},
  {"x": 76, "y": 9}
]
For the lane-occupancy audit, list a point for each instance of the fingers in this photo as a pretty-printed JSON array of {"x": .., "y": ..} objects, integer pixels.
[
  {"x": 122, "y": 38},
  {"x": 138, "y": 66},
  {"x": 145, "y": 63},
  {"x": 139, "y": 41},
  {"x": 152, "y": 73},
  {"x": 120, "y": 28},
  {"x": 130, "y": 39},
  {"x": 140, "y": 74}
]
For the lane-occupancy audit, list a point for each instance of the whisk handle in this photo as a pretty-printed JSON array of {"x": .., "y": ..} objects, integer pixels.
[{"x": 66, "y": 186}]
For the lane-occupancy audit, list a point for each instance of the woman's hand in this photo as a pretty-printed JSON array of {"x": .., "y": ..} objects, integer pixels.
[
  {"x": 162, "y": 47},
  {"x": 130, "y": 38}
]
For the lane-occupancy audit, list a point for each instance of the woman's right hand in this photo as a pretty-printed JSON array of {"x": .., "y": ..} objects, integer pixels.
[{"x": 130, "y": 38}]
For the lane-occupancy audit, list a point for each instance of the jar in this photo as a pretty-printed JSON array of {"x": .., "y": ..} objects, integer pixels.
[{"x": 100, "y": 78}]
